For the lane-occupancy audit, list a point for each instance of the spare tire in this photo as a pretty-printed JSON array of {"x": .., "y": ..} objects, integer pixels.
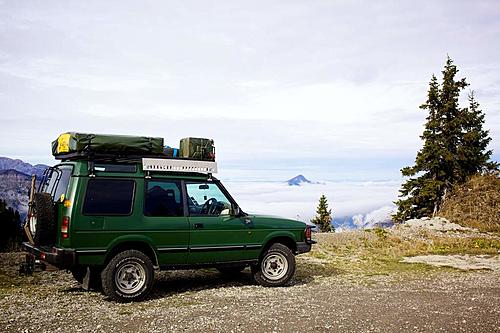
[{"x": 41, "y": 220}]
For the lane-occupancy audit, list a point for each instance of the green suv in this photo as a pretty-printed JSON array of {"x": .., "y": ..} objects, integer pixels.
[{"x": 113, "y": 221}]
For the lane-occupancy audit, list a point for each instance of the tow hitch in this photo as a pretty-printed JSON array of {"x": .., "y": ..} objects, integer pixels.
[{"x": 31, "y": 265}]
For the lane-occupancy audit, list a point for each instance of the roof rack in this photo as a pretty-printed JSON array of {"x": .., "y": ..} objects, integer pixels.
[{"x": 178, "y": 165}]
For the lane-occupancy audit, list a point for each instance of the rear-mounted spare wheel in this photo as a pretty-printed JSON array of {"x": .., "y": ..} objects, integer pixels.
[{"x": 41, "y": 220}]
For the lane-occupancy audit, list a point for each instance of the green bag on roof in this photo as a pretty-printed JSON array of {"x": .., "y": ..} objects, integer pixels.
[
  {"x": 197, "y": 148},
  {"x": 73, "y": 142}
]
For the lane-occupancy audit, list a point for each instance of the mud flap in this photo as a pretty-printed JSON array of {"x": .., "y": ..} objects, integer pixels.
[
  {"x": 92, "y": 279},
  {"x": 86, "y": 280}
]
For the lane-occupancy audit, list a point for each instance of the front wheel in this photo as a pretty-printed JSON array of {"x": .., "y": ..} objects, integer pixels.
[
  {"x": 276, "y": 267},
  {"x": 128, "y": 277}
]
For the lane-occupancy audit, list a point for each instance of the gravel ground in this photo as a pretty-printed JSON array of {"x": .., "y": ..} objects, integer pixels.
[
  {"x": 464, "y": 262},
  {"x": 439, "y": 299}
]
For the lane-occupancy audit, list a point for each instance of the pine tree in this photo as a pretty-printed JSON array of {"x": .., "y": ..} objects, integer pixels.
[
  {"x": 323, "y": 216},
  {"x": 10, "y": 237},
  {"x": 454, "y": 148},
  {"x": 472, "y": 152}
]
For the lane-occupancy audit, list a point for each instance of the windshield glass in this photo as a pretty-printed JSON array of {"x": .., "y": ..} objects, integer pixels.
[{"x": 57, "y": 181}]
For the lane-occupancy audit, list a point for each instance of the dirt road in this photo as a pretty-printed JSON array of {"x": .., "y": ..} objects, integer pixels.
[{"x": 318, "y": 300}]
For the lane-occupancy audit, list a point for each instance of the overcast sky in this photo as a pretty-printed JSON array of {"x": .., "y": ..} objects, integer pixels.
[{"x": 330, "y": 89}]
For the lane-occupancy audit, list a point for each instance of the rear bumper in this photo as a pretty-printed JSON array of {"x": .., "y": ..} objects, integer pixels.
[
  {"x": 61, "y": 258},
  {"x": 304, "y": 247}
]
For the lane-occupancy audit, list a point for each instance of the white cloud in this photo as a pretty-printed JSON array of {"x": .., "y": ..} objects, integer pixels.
[
  {"x": 375, "y": 217},
  {"x": 315, "y": 81},
  {"x": 344, "y": 198}
]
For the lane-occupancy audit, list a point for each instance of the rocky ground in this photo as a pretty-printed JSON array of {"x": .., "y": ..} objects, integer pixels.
[{"x": 347, "y": 284}]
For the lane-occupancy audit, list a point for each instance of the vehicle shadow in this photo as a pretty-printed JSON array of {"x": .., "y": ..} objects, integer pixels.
[{"x": 175, "y": 282}]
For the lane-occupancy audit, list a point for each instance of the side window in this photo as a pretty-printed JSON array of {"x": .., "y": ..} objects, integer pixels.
[
  {"x": 206, "y": 199},
  {"x": 163, "y": 198},
  {"x": 109, "y": 197}
]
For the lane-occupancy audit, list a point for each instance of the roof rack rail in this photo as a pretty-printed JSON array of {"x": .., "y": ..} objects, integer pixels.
[{"x": 178, "y": 165}]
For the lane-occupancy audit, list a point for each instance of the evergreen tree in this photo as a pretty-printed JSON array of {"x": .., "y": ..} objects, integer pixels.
[
  {"x": 472, "y": 152},
  {"x": 323, "y": 216},
  {"x": 454, "y": 148},
  {"x": 10, "y": 237}
]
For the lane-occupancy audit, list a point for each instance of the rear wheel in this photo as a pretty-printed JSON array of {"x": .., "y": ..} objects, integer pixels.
[
  {"x": 276, "y": 266},
  {"x": 128, "y": 277}
]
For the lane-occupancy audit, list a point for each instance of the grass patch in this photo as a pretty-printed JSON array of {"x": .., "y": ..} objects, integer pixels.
[
  {"x": 379, "y": 251},
  {"x": 475, "y": 204}
]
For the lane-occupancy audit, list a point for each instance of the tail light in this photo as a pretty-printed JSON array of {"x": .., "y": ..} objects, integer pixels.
[
  {"x": 65, "y": 227},
  {"x": 307, "y": 234}
]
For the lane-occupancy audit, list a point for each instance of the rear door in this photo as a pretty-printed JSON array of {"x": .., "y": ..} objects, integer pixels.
[
  {"x": 164, "y": 216},
  {"x": 122, "y": 209},
  {"x": 215, "y": 236}
]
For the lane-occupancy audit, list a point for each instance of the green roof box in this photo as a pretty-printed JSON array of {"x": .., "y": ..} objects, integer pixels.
[
  {"x": 84, "y": 143},
  {"x": 197, "y": 149}
]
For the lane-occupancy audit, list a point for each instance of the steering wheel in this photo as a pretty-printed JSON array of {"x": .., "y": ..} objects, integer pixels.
[{"x": 209, "y": 207}]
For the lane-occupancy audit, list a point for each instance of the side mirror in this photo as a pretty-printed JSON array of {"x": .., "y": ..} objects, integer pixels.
[
  {"x": 236, "y": 211},
  {"x": 231, "y": 212}
]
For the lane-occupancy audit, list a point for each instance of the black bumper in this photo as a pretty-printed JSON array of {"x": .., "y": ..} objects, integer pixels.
[
  {"x": 304, "y": 247},
  {"x": 61, "y": 258}
]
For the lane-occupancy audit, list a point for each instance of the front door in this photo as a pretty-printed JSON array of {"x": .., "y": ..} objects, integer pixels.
[{"x": 215, "y": 236}]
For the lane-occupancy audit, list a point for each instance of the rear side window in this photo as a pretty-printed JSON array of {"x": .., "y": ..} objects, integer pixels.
[
  {"x": 109, "y": 197},
  {"x": 163, "y": 198}
]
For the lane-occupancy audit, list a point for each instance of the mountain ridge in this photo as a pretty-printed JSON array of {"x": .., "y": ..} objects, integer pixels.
[
  {"x": 7, "y": 163},
  {"x": 15, "y": 182}
]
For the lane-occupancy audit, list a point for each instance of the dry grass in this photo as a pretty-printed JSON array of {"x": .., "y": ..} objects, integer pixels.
[
  {"x": 475, "y": 204},
  {"x": 379, "y": 251}
]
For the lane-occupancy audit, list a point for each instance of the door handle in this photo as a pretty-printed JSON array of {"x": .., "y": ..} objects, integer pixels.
[{"x": 198, "y": 225}]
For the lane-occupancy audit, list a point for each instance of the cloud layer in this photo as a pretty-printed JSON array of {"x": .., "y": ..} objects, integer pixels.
[{"x": 300, "y": 202}]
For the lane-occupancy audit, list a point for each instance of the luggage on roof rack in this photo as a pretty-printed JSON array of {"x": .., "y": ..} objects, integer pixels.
[
  {"x": 197, "y": 149},
  {"x": 73, "y": 144}
]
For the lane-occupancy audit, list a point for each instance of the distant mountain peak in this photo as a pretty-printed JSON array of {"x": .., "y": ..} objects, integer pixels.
[{"x": 298, "y": 180}]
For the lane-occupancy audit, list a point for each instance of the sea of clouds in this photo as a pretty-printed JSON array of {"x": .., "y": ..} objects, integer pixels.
[{"x": 354, "y": 204}]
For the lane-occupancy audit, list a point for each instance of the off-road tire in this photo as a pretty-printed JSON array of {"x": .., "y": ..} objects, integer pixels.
[
  {"x": 132, "y": 265},
  {"x": 43, "y": 211},
  {"x": 231, "y": 270},
  {"x": 276, "y": 266}
]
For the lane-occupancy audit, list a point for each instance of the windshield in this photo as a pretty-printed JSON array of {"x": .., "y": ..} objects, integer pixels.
[{"x": 57, "y": 181}]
